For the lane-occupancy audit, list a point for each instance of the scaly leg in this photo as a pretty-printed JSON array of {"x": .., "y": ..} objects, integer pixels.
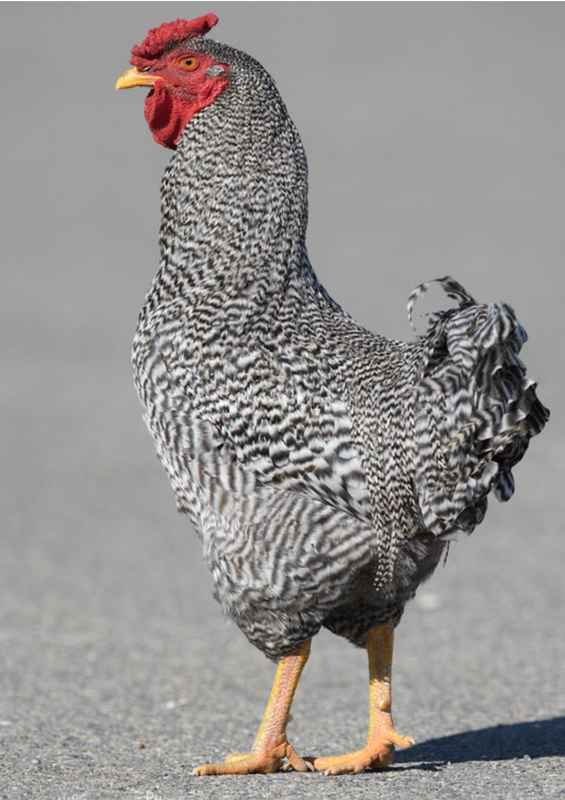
[
  {"x": 270, "y": 747},
  {"x": 379, "y": 750}
]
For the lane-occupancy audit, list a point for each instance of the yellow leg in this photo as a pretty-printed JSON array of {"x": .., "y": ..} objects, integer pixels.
[
  {"x": 270, "y": 747},
  {"x": 382, "y": 737}
]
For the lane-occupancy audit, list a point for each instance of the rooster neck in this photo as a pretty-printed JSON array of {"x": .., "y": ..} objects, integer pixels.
[{"x": 234, "y": 202}]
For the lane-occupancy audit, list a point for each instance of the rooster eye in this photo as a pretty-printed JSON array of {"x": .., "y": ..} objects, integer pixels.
[{"x": 189, "y": 63}]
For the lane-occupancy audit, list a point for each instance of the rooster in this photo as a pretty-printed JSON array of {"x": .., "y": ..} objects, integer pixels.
[{"x": 324, "y": 467}]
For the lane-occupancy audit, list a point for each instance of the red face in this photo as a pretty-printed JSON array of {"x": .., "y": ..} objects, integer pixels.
[{"x": 183, "y": 82}]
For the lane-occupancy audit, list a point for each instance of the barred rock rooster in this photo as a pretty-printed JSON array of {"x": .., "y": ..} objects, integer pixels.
[{"x": 323, "y": 466}]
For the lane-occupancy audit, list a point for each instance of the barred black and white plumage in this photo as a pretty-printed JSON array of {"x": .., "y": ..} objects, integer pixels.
[{"x": 323, "y": 466}]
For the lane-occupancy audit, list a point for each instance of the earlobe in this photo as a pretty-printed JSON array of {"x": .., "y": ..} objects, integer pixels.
[{"x": 215, "y": 71}]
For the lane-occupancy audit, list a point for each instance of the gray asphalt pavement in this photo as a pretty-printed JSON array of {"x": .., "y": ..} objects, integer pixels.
[{"x": 435, "y": 135}]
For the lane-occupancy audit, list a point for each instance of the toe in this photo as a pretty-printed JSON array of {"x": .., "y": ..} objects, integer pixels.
[
  {"x": 263, "y": 761},
  {"x": 403, "y": 742},
  {"x": 296, "y": 763},
  {"x": 373, "y": 757}
]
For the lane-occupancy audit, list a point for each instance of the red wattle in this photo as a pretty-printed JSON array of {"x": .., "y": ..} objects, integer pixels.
[
  {"x": 165, "y": 117},
  {"x": 168, "y": 113}
]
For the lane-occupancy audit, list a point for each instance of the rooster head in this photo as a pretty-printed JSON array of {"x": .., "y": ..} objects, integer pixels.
[{"x": 182, "y": 81}]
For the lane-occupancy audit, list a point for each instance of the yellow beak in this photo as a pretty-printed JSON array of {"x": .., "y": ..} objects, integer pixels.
[{"x": 135, "y": 78}]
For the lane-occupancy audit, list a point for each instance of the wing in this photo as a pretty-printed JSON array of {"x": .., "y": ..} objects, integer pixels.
[
  {"x": 260, "y": 455},
  {"x": 273, "y": 413}
]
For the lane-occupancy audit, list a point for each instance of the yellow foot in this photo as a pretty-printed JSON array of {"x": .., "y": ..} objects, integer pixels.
[
  {"x": 262, "y": 760},
  {"x": 376, "y": 755}
]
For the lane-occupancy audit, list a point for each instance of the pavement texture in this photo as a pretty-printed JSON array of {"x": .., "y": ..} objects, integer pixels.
[{"x": 117, "y": 672}]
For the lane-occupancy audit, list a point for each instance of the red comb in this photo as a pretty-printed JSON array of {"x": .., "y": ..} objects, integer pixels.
[{"x": 158, "y": 39}]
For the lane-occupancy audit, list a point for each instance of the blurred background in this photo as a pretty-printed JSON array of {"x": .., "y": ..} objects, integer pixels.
[{"x": 435, "y": 135}]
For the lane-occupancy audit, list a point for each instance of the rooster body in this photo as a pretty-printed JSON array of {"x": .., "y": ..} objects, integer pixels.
[{"x": 323, "y": 466}]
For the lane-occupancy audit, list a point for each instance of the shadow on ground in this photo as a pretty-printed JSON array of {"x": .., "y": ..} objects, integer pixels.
[{"x": 539, "y": 739}]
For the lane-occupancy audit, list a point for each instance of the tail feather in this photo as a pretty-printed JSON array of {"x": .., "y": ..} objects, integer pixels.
[{"x": 476, "y": 410}]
